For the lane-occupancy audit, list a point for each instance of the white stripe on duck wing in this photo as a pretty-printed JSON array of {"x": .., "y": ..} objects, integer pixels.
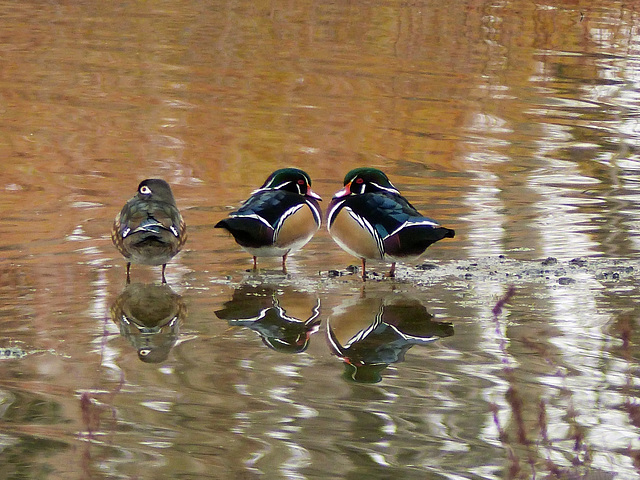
[
  {"x": 263, "y": 222},
  {"x": 411, "y": 239}
]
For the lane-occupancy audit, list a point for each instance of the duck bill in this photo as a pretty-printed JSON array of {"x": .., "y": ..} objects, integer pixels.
[
  {"x": 312, "y": 194},
  {"x": 344, "y": 192}
]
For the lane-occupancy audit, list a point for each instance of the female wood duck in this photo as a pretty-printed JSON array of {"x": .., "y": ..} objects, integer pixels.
[
  {"x": 278, "y": 218},
  {"x": 149, "y": 230},
  {"x": 149, "y": 316},
  {"x": 371, "y": 220}
]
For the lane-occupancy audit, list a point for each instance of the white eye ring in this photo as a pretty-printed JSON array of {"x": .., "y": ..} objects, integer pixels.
[{"x": 145, "y": 190}]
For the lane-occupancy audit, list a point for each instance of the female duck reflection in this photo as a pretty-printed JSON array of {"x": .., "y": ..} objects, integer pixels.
[
  {"x": 261, "y": 309},
  {"x": 377, "y": 330},
  {"x": 149, "y": 316}
]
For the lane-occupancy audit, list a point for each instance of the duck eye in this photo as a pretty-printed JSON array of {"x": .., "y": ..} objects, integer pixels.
[
  {"x": 145, "y": 190},
  {"x": 300, "y": 182},
  {"x": 359, "y": 180}
]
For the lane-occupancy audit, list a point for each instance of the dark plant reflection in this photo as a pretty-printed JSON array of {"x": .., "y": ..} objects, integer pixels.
[
  {"x": 284, "y": 318},
  {"x": 149, "y": 316},
  {"x": 376, "y": 330}
]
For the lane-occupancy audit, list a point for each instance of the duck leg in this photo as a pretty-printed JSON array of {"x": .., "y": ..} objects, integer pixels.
[
  {"x": 164, "y": 267},
  {"x": 128, "y": 268},
  {"x": 284, "y": 263},
  {"x": 255, "y": 262},
  {"x": 392, "y": 271},
  {"x": 364, "y": 269}
]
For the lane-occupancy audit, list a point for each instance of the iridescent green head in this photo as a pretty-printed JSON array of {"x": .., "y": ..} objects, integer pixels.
[
  {"x": 290, "y": 179},
  {"x": 366, "y": 180}
]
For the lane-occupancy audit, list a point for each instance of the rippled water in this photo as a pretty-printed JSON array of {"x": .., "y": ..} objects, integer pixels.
[{"x": 509, "y": 352}]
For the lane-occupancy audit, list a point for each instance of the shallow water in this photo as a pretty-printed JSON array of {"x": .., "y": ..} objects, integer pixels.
[{"x": 508, "y": 352}]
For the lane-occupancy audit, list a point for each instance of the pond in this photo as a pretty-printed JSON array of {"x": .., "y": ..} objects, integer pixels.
[{"x": 507, "y": 352}]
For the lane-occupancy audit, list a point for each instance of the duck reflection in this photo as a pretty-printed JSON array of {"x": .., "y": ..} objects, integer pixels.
[
  {"x": 149, "y": 316},
  {"x": 276, "y": 314},
  {"x": 376, "y": 331}
]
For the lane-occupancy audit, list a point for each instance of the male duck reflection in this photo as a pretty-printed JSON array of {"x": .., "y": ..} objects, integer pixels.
[
  {"x": 149, "y": 316},
  {"x": 376, "y": 331},
  {"x": 371, "y": 220},
  {"x": 278, "y": 218},
  {"x": 260, "y": 309},
  {"x": 149, "y": 229}
]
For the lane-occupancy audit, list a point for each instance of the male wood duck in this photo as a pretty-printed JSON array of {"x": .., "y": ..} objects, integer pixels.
[
  {"x": 376, "y": 331},
  {"x": 149, "y": 230},
  {"x": 371, "y": 220},
  {"x": 278, "y": 218},
  {"x": 284, "y": 318}
]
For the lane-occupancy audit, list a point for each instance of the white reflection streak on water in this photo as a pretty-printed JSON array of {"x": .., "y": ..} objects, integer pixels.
[
  {"x": 622, "y": 98},
  {"x": 559, "y": 223},
  {"x": 298, "y": 456},
  {"x": 486, "y": 237},
  {"x": 575, "y": 308},
  {"x": 625, "y": 95}
]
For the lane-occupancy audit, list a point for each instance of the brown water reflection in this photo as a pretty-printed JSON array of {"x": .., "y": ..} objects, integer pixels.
[
  {"x": 514, "y": 123},
  {"x": 283, "y": 318},
  {"x": 375, "y": 331},
  {"x": 149, "y": 316}
]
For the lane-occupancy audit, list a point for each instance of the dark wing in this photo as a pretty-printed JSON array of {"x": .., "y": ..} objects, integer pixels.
[
  {"x": 414, "y": 323},
  {"x": 403, "y": 230},
  {"x": 270, "y": 205},
  {"x": 385, "y": 211},
  {"x": 153, "y": 218},
  {"x": 253, "y": 224}
]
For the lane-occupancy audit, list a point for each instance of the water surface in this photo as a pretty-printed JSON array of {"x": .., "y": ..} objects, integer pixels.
[{"x": 508, "y": 352}]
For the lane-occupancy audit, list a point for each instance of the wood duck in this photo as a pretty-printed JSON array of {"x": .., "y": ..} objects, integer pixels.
[
  {"x": 149, "y": 230},
  {"x": 375, "y": 331},
  {"x": 371, "y": 220},
  {"x": 284, "y": 318},
  {"x": 278, "y": 218},
  {"x": 149, "y": 316}
]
